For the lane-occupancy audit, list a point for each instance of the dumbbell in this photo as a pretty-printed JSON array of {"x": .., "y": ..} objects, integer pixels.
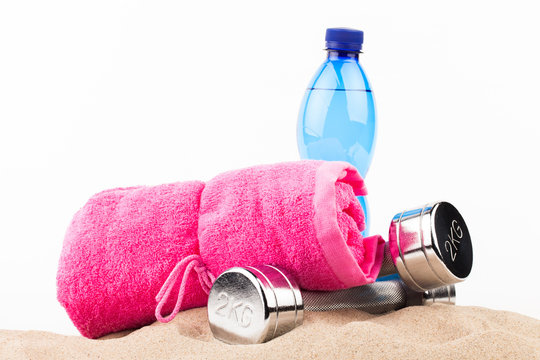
[
  {"x": 429, "y": 247},
  {"x": 255, "y": 304}
]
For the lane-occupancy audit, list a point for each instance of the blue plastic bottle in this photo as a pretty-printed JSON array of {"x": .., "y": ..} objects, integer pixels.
[{"x": 337, "y": 116}]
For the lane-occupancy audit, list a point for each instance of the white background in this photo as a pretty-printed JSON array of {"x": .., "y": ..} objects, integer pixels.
[{"x": 100, "y": 94}]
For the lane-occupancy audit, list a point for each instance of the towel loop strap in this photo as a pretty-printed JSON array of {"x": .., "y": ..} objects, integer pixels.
[{"x": 185, "y": 266}]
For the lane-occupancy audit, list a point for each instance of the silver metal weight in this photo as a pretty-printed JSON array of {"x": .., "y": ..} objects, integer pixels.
[
  {"x": 429, "y": 247},
  {"x": 255, "y": 304}
]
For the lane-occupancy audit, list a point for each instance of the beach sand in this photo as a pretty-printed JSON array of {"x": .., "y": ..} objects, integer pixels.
[{"x": 423, "y": 332}]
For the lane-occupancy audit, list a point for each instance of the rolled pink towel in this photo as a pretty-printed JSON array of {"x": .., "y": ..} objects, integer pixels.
[{"x": 132, "y": 254}]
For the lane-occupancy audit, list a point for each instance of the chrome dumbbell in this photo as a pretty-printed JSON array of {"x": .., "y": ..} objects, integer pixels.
[
  {"x": 255, "y": 304},
  {"x": 429, "y": 247}
]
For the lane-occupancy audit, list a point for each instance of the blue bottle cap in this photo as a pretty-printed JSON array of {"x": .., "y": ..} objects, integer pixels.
[{"x": 344, "y": 39}]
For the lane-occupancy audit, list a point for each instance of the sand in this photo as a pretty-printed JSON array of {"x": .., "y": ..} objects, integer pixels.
[{"x": 429, "y": 332}]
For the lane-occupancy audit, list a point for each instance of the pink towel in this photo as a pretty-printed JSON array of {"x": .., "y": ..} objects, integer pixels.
[
  {"x": 132, "y": 254},
  {"x": 301, "y": 216}
]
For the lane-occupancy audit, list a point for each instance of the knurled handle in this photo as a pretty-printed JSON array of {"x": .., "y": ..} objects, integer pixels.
[{"x": 376, "y": 298}]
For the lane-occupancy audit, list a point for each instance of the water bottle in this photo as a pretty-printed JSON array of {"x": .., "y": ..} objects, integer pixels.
[{"x": 337, "y": 116}]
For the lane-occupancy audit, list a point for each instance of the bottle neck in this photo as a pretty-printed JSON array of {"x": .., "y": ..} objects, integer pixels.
[{"x": 342, "y": 54}]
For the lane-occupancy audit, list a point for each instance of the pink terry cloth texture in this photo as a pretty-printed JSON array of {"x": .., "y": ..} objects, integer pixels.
[
  {"x": 301, "y": 216},
  {"x": 118, "y": 251},
  {"x": 131, "y": 254}
]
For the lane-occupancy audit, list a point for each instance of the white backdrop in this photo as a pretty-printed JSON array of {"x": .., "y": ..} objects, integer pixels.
[{"x": 100, "y": 94}]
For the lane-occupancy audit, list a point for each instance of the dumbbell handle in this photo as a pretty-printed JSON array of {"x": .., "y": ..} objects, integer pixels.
[{"x": 376, "y": 298}]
